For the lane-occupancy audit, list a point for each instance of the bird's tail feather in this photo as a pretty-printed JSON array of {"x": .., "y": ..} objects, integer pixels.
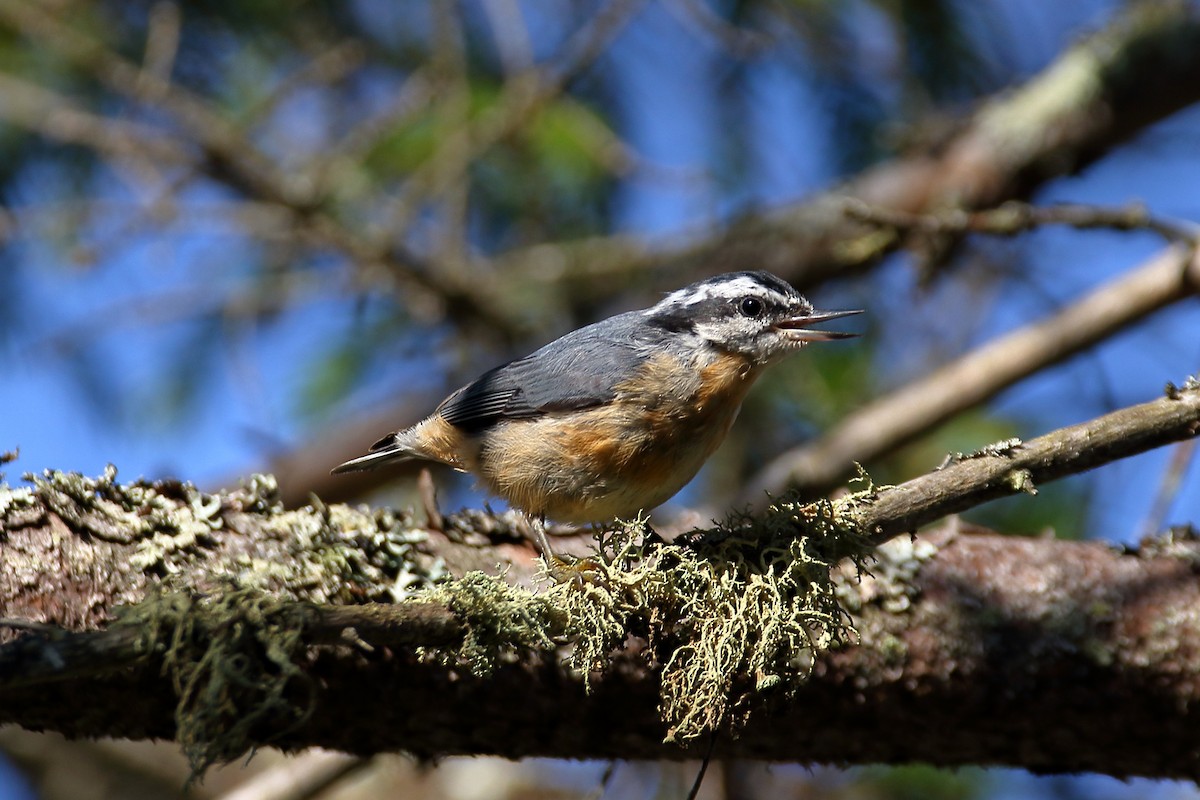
[{"x": 387, "y": 450}]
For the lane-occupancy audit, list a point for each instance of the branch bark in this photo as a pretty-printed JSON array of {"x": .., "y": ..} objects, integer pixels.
[
  {"x": 974, "y": 648},
  {"x": 1002, "y": 651},
  {"x": 1013, "y": 467}
]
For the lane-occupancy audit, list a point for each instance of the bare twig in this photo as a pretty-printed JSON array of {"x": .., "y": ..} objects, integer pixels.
[
  {"x": 429, "y": 501},
  {"x": 56, "y": 117},
  {"x": 1013, "y": 218},
  {"x": 162, "y": 41},
  {"x": 522, "y": 96},
  {"x": 904, "y": 414},
  {"x": 330, "y": 66},
  {"x": 411, "y": 99},
  {"x": 511, "y": 35},
  {"x": 309, "y": 775},
  {"x": 452, "y": 119},
  {"x": 1182, "y": 457},
  {"x": 739, "y": 42},
  {"x": 1019, "y": 467}
]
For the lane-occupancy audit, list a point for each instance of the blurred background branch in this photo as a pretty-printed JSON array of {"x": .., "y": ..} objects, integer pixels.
[{"x": 896, "y": 419}]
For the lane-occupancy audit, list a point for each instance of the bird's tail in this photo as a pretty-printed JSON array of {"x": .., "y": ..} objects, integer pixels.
[{"x": 388, "y": 450}]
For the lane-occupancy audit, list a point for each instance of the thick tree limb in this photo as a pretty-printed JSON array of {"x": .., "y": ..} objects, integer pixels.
[
  {"x": 974, "y": 648},
  {"x": 999, "y": 651}
]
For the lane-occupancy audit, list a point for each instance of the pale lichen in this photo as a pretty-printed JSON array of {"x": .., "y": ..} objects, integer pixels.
[
  {"x": 730, "y": 615},
  {"x": 1021, "y": 480},
  {"x": 499, "y": 619},
  {"x": 234, "y": 661},
  {"x": 16, "y": 501},
  {"x": 1003, "y": 448},
  {"x": 190, "y": 539},
  {"x": 889, "y": 583},
  {"x": 1177, "y": 541}
]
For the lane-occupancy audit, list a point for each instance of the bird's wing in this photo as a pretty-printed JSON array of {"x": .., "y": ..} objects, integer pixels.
[{"x": 579, "y": 370}]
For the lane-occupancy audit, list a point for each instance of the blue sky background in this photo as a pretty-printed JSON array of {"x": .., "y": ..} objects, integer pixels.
[{"x": 247, "y": 407}]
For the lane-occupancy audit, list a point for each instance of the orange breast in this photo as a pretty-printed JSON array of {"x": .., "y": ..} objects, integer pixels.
[{"x": 622, "y": 458}]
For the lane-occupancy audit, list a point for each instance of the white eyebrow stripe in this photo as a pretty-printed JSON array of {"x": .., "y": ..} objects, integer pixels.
[{"x": 726, "y": 290}]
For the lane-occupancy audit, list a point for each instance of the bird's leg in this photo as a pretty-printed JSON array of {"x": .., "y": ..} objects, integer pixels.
[
  {"x": 538, "y": 523},
  {"x": 560, "y": 568}
]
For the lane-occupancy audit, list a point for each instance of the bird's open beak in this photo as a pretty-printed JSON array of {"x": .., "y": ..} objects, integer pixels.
[{"x": 795, "y": 329}]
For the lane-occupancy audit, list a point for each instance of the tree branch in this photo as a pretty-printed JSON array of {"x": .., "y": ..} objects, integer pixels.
[
  {"x": 1004, "y": 644},
  {"x": 1016, "y": 467},
  {"x": 971, "y": 661},
  {"x": 900, "y": 416},
  {"x": 1087, "y": 102}
]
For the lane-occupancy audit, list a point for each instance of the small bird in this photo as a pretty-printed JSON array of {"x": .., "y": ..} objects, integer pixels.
[{"x": 614, "y": 418}]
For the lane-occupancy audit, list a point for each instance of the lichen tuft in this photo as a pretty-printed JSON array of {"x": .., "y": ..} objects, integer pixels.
[
  {"x": 499, "y": 618},
  {"x": 730, "y": 614},
  {"x": 234, "y": 661}
]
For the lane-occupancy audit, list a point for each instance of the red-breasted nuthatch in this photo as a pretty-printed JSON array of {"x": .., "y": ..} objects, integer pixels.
[{"x": 614, "y": 418}]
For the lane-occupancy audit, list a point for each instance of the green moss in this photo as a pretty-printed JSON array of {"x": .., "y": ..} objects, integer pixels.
[
  {"x": 498, "y": 617},
  {"x": 234, "y": 661},
  {"x": 732, "y": 615}
]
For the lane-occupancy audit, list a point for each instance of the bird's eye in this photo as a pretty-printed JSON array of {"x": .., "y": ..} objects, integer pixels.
[{"x": 750, "y": 307}]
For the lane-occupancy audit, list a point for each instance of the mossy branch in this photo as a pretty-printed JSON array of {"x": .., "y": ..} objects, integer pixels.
[{"x": 237, "y": 630}]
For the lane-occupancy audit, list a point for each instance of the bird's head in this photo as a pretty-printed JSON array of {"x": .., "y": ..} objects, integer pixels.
[{"x": 754, "y": 314}]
